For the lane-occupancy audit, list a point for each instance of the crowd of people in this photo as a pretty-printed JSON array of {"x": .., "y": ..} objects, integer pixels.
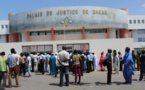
[{"x": 77, "y": 62}]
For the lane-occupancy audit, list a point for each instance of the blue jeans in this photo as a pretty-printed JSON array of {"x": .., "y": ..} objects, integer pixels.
[
  {"x": 29, "y": 71},
  {"x": 64, "y": 70}
]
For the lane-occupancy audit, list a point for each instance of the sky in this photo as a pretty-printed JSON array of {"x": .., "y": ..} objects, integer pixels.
[{"x": 136, "y": 7}]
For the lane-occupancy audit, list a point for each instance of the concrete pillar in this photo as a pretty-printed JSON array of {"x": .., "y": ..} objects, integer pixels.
[
  {"x": 52, "y": 34},
  {"x": 28, "y": 36},
  {"x": 124, "y": 33},
  {"x": 83, "y": 37},
  {"x": 108, "y": 33},
  {"x": 83, "y": 33}
]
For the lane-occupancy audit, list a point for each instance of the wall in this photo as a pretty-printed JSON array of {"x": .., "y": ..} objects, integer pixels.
[
  {"x": 24, "y": 36},
  {"x": 69, "y": 37},
  {"x": 136, "y": 26},
  {"x": 13, "y": 37},
  {"x": 112, "y": 33},
  {"x": 96, "y": 46},
  {"x": 96, "y": 36},
  {"x": 3, "y": 39},
  {"x": 40, "y": 38},
  {"x": 4, "y": 30}
]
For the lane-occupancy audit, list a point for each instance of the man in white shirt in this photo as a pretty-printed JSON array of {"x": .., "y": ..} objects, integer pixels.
[
  {"x": 91, "y": 62},
  {"x": 35, "y": 62},
  {"x": 28, "y": 62},
  {"x": 47, "y": 68},
  {"x": 63, "y": 59}
]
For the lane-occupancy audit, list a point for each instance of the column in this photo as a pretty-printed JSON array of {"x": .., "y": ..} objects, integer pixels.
[
  {"x": 28, "y": 36},
  {"x": 124, "y": 33},
  {"x": 52, "y": 34},
  {"x": 28, "y": 40},
  {"x": 83, "y": 33},
  {"x": 108, "y": 33},
  {"x": 83, "y": 37}
]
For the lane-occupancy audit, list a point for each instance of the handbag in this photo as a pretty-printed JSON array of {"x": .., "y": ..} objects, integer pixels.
[{"x": 105, "y": 62}]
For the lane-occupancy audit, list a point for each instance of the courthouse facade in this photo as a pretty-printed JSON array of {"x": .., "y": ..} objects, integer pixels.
[{"x": 87, "y": 28}]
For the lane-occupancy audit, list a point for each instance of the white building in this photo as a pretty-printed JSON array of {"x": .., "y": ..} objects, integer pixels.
[
  {"x": 4, "y": 31},
  {"x": 92, "y": 28},
  {"x": 136, "y": 26}
]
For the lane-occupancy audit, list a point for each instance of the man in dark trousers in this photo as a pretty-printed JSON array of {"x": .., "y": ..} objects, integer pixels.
[
  {"x": 134, "y": 57},
  {"x": 120, "y": 58},
  {"x": 109, "y": 66},
  {"x": 88, "y": 62},
  {"x": 142, "y": 66}
]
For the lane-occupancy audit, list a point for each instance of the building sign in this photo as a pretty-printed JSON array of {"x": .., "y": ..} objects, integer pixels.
[{"x": 66, "y": 12}]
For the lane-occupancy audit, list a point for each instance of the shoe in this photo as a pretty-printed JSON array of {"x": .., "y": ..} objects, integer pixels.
[
  {"x": 18, "y": 85},
  {"x": 78, "y": 82},
  {"x": 9, "y": 86},
  {"x": 74, "y": 83},
  {"x": 125, "y": 83},
  {"x": 109, "y": 83},
  {"x": 140, "y": 79}
]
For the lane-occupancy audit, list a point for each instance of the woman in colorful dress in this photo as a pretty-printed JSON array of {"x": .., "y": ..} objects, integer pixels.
[{"x": 102, "y": 58}]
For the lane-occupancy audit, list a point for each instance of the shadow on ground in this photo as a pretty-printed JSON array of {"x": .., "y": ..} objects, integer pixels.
[
  {"x": 54, "y": 84},
  {"x": 71, "y": 83},
  {"x": 117, "y": 83},
  {"x": 100, "y": 83}
]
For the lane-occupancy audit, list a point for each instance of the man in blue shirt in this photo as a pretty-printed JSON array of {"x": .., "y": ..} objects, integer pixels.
[{"x": 128, "y": 66}]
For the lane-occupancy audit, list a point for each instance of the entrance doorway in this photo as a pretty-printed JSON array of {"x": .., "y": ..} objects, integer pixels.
[
  {"x": 71, "y": 47},
  {"x": 38, "y": 48}
]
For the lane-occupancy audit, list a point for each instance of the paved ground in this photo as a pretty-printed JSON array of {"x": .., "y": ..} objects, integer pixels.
[{"x": 91, "y": 81}]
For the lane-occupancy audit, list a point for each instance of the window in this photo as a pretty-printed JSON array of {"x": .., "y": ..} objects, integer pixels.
[
  {"x": 96, "y": 31},
  {"x": 130, "y": 21},
  {"x": 6, "y": 26},
  {"x": 48, "y": 33},
  {"x": 141, "y": 31},
  {"x": 87, "y": 31},
  {"x": 2, "y": 26},
  {"x": 134, "y": 21},
  {"x": 142, "y": 20},
  {"x": 41, "y": 33},
  {"x": 59, "y": 32},
  {"x": 139, "y": 39},
  {"x": 34, "y": 33},
  {"x": 138, "y": 21},
  {"x": 143, "y": 39}
]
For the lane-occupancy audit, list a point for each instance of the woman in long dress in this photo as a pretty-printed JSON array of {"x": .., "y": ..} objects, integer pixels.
[
  {"x": 52, "y": 63},
  {"x": 102, "y": 58},
  {"x": 116, "y": 63}
]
